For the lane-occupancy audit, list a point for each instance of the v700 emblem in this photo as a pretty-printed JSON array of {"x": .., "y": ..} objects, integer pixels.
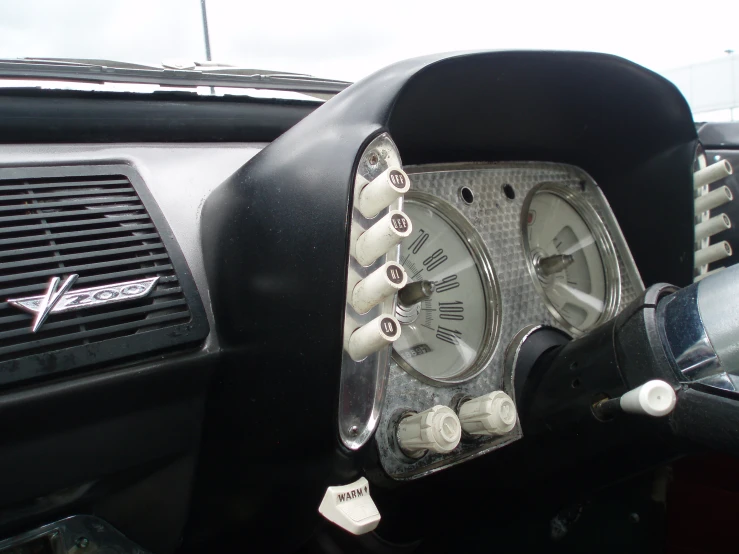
[{"x": 63, "y": 300}]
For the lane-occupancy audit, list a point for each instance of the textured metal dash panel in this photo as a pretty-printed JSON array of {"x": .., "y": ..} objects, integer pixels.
[{"x": 498, "y": 221}]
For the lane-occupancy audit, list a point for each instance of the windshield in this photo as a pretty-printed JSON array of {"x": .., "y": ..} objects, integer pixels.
[{"x": 340, "y": 39}]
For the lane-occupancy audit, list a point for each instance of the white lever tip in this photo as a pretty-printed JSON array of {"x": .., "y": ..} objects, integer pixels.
[
  {"x": 381, "y": 237},
  {"x": 655, "y": 398},
  {"x": 383, "y": 191},
  {"x": 373, "y": 336}
]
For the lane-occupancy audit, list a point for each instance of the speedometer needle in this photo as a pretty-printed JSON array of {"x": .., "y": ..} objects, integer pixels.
[
  {"x": 415, "y": 292},
  {"x": 554, "y": 264}
]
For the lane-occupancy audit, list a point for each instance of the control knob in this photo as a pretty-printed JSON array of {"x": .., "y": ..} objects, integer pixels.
[
  {"x": 493, "y": 414},
  {"x": 436, "y": 430}
]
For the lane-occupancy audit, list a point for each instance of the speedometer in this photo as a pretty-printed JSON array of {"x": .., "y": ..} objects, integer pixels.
[
  {"x": 449, "y": 310},
  {"x": 570, "y": 257}
]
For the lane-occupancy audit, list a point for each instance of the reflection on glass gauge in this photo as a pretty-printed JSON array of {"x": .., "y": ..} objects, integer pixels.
[
  {"x": 449, "y": 310},
  {"x": 570, "y": 257}
]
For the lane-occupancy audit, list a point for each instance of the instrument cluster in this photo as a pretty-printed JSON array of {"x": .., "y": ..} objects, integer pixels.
[{"x": 490, "y": 252}]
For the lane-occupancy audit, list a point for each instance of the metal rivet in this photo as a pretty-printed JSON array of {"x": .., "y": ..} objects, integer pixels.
[
  {"x": 354, "y": 430},
  {"x": 82, "y": 542}
]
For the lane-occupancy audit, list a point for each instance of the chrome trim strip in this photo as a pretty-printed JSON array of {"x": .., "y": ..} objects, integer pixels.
[{"x": 363, "y": 383}]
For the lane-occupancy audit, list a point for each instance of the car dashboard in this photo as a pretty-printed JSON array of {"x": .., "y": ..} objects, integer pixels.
[{"x": 208, "y": 328}]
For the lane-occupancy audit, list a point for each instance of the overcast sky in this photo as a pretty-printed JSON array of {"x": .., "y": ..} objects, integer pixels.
[{"x": 346, "y": 39}]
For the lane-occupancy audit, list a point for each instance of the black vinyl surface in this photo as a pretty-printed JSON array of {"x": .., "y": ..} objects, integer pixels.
[
  {"x": 54, "y": 116},
  {"x": 278, "y": 283},
  {"x": 248, "y": 422}
]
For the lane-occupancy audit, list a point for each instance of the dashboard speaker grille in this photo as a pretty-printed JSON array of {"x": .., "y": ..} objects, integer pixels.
[{"x": 91, "y": 222}]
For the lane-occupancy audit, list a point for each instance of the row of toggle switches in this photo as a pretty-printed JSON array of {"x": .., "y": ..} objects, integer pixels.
[{"x": 371, "y": 244}]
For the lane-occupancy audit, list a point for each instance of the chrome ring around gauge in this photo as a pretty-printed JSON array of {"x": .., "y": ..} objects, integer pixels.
[
  {"x": 570, "y": 256},
  {"x": 450, "y": 309}
]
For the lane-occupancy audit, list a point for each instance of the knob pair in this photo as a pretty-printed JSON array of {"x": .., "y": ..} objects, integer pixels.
[{"x": 439, "y": 429}]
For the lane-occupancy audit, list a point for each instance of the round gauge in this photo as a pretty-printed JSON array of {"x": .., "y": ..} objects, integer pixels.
[
  {"x": 570, "y": 257},
  {"x": 449, "y": 310}
]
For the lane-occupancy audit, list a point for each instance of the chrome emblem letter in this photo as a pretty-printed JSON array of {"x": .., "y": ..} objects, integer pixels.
[{"x": 64, "y": 300}]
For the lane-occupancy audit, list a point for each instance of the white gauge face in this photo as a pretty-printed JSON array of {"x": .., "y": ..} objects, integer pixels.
[
  {"x": 565, "y": 258},
  {"x": 444, "y": 331}
]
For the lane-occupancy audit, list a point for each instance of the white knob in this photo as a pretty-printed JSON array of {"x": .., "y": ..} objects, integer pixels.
[
  {"x": 493, "y": 414},
  {"x": 712, "y": 253},
  {"x": 437, "y": 429},
  {"x": 382, "y": 236},
  {"x": 377, "y": 286},
  {"x": 714, "y": 199},
  {"x": 655, "y": 398},
  {"x": 382, "y": 191},
  {"x": 373, "y": 336},
  {"x": 713, "y": 226},
  {"x": 351, "y": 507},
  {"x": 712, "y": 173}
]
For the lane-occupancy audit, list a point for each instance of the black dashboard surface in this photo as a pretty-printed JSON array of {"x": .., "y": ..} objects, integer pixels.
[
  {"x": 64, "y": 116},
  {"x": 218, "y": 438},
  {"x": 437, "y": 109},
  {"x": 120, "y": 433}
]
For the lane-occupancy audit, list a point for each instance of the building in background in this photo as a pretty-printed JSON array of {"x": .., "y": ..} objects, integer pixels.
[{"x": 711, "y": 88}]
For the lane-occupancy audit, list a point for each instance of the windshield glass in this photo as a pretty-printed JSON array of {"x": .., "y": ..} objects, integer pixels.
[{"x": 348, "y": 40}]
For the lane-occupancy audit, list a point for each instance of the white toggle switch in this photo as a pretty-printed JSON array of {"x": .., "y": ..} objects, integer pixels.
[
  {"x": 493, "y": 414},
  {"x": 373, "y": 336},
  {"x": 377, "y": 286},
  {"x": 437, "y": 430},
  {"x": 351, "y": 507},
  {"x": 712, "y": 173},
  {"x": 655, "y": 398},
  {"x": 381, "y": 237},
  {"x": 382, "y": 191}
]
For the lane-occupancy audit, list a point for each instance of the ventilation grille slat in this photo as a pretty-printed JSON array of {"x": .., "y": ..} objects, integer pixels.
[
  {"x": 62, "y": 213},
  {"x": 75, "y": 203},
  {"x": 43, "y": 226},
  {"x": 37, "y": 184},
  {"x": 82, "y": 335},
  {"x": 82, "y": 256},
  {"x": 79, "y": 245},
  {"x": 46, "y": 235},
  {"x": 66, "y": 193},
  {"x": 97, "y": 228},
  {"x": 81, "y": 267}
]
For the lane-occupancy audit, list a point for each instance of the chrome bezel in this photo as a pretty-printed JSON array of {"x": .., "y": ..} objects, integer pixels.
[
  {"x": 700, "y": 162},
  {"x": 363, "y": 382},
  {"x": 603, "y": 242},
  {"x": 476, "y": 247}
]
